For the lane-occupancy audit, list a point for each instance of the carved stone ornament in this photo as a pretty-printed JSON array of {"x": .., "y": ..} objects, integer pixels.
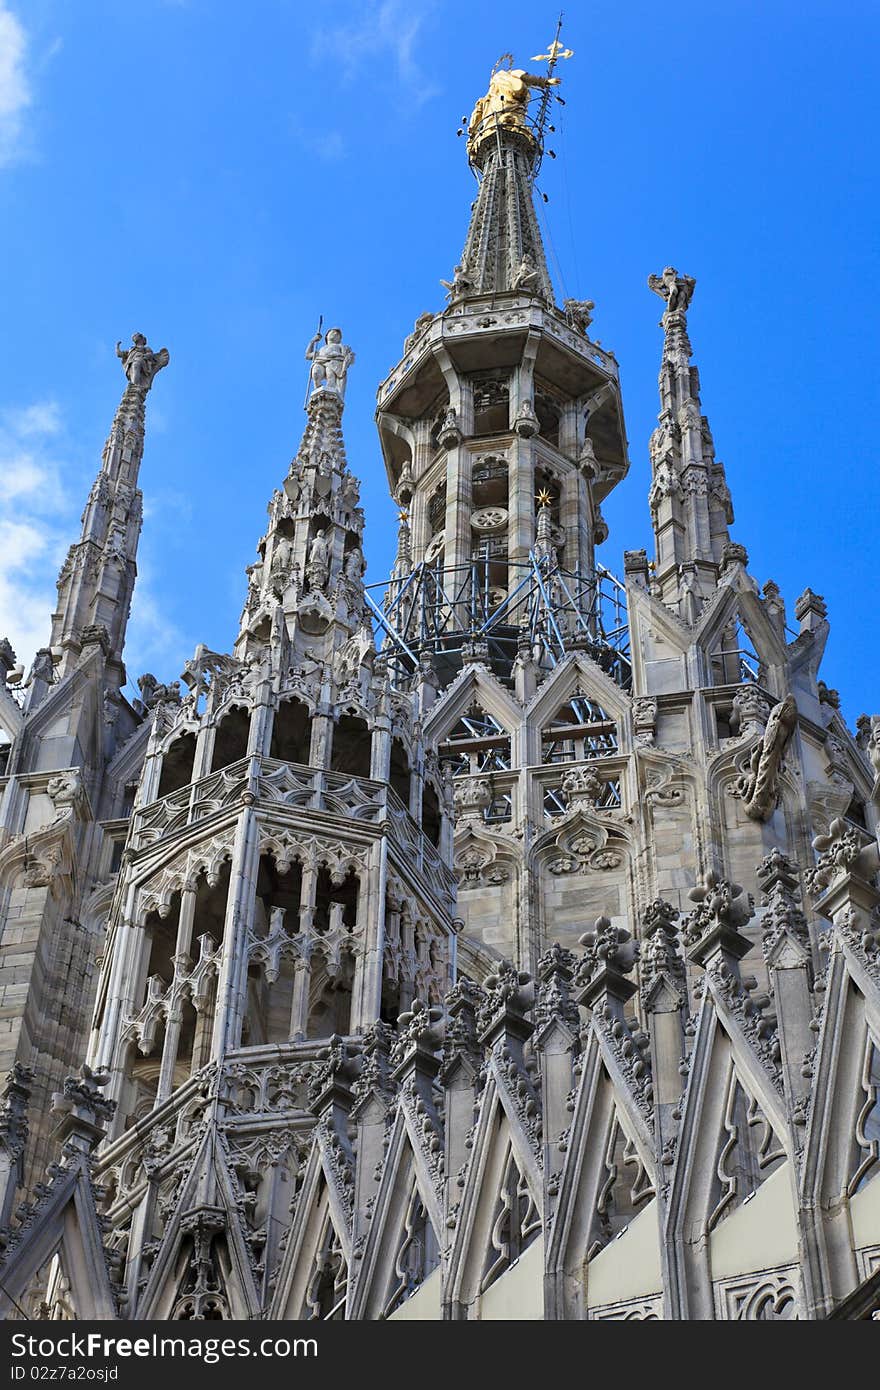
[{"x": 758, "y": 784}]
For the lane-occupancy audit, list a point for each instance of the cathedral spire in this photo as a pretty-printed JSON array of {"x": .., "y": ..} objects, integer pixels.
[
  {"x": 97, "y": 579},
  {"x": 310, "y": 562},
  {"x": 502, "y": 425},
  {"x": 689, "y": 499},
  {"x": 505, "y": 142}
]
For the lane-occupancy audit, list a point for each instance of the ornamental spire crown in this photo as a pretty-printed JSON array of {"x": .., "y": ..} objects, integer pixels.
[{"x": 505, "y": 144}]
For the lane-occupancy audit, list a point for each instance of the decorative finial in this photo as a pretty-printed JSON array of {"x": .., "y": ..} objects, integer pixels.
[{"x": 543, "y": 498}]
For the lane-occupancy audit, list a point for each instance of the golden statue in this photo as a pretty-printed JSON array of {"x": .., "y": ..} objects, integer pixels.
[{"x": 507, "y": 98}]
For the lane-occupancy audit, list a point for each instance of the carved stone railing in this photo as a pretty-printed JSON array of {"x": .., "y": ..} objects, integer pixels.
[
  {"x": 405, "y": 833},
  {"x": 271, "y": 781},
  {"x": 269, "y": 1080},
  {"x": 253, "y": 1085},
  {"x": 490, "y": 314}
]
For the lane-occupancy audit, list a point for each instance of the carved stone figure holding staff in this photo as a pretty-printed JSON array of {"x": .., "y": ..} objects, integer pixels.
[{"x": 330, "y": 362}]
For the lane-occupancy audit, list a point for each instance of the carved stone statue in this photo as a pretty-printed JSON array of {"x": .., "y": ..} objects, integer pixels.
[
  {"x": 459, "y": 285},
  {"x": 43, "y": 668},
  {"x": 318, "y": 564},
  {"x": 758, "y": 784},
  {"x": 507, "y": 99},
  {"x": 526, "y": 423},
  {"x": 526, "y": 275},
  {"x": 676, "y": 289},
  {"x": 139, "y": 363},
  {"x": 873, "y": 745},
  {"x": 355, "y": 564},
  {"x": 330, "y": 362},
  {"x": 349, "y": 490},
  {"x": 422, "y": 322},
  {"x": 153, "y": 692},
  {"x": 578, "y": 313}
]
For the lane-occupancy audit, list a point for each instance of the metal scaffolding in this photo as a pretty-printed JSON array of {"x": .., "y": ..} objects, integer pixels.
[{"x": 452, "y": 613}]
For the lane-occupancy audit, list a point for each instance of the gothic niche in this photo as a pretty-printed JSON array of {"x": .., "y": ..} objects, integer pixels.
[
  {"x": 734, "y": 658},
  {"x": 352, "y": 746},
  {"x": 291, "y": 733},
  {"x": 491, "y": 404},
  {"x": 203, "y": 1271},
  {"x": 334, "y": 922},
  {"x": 415, "y": 961},
  {"x": 431, "y": 814},
  {"x": 300, "y": 962},
  {"x": 177, "y": 764},
  {"x": 549, "y": 414},
  {"x": 399, "y": 776},
  {"x": 231, "y": 738},
  {"x": 172, "y": 1032},
  {"x": 272, "y": 1013},
  {"x": 437, "y": 509}
]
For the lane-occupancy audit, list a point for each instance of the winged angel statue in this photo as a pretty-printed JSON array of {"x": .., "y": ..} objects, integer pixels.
[
  {"x": 676, "y": 289},
  {"x": 140, "y": 363}
]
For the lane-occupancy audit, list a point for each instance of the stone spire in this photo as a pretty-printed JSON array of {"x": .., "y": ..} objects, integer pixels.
[
  {"x": 97, "y": 578},
  {"x": 503, "y": 250},
  {"x": 310, "y": 562},
  {"x": 689, "y": 499}
]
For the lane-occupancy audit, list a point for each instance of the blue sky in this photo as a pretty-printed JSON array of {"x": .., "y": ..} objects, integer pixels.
[{"x": 218, "y": 175}]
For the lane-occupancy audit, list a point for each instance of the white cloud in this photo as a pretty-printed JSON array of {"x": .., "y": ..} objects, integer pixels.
[
  {"x": 33, "y": 542},
  {"x": 378, "y": 33},
  {"x": 39, "y": 520},
  {"x": 15, "y": 93},
  {"x": 42, "y": 418}
]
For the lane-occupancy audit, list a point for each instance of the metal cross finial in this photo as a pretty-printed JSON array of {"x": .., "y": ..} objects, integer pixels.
[{"x": 553, "y": 52}]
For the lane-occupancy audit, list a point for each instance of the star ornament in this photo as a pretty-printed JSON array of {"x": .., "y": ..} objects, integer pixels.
[{"x": 543, "y": 498}]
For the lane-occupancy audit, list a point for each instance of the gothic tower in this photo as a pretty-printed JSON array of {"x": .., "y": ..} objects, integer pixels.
[
  {"x": 502, "y": 947},
  {"x": 70, "y": 768}
]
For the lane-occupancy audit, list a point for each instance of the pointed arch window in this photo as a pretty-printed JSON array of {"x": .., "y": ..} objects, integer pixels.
[
  {"x": 734, "y": 659},
  {"x": 867, "y": 1128},
  {"x": 748, "y": 1152},
  {"x": 328, "y": 1285},
  {"x": 418, "y": 1253},
  {"x": 579, "y": 730},
  {"x": 477, "y": 744},
  {"x": 516, "y": 1222}
]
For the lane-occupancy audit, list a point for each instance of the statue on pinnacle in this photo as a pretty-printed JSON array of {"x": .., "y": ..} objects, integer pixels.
[
  {"x": 330, "y": 362},
  {"x": 676, "y": 289},
  {"x": 140, "y": 363}
]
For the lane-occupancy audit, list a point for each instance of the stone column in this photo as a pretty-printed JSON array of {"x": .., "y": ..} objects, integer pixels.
[
  {"x": 182, "y": 967},
  {"x": 366, "y": 999},
  {"x": 232, "y": 984}
]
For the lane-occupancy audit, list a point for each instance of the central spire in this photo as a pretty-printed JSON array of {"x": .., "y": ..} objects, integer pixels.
[
  {"x": 502, "y": 429},
  {"x": 503, "y": 251}
]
